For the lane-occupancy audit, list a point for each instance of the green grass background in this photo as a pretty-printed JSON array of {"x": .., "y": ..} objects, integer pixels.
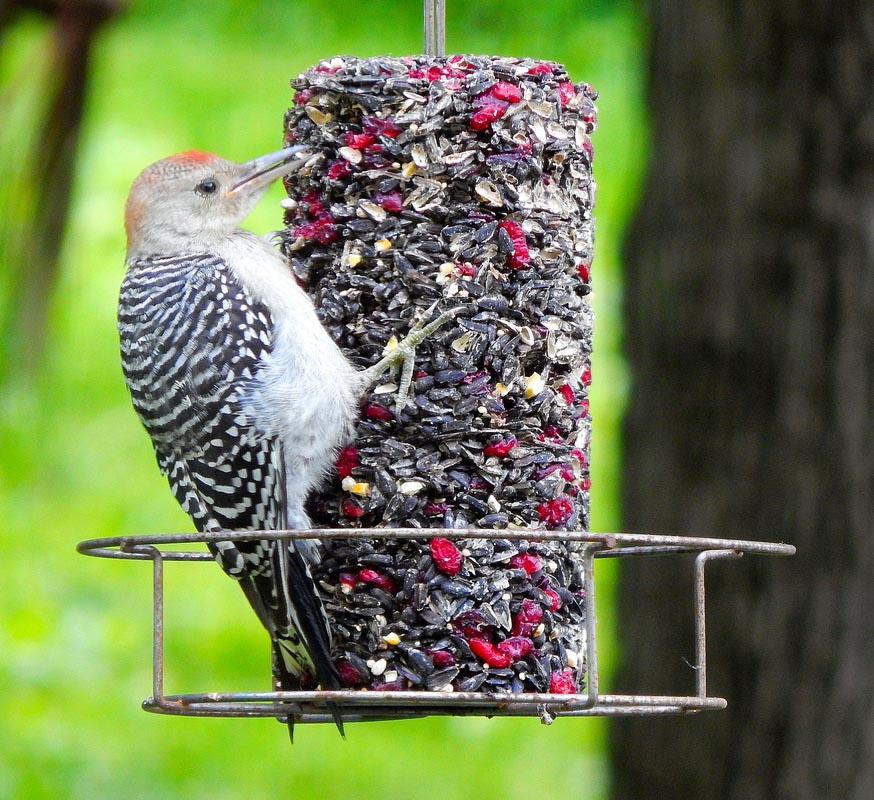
[{"x": 74, "y": 462}]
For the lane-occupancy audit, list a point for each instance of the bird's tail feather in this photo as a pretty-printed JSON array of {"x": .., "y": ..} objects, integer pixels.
[{"x": 307, "y": 619}]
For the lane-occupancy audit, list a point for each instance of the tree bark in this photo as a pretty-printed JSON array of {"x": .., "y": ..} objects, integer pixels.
[{"x": 750, "y": 314}]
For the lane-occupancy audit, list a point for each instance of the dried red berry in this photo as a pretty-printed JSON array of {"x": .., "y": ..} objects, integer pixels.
[
  {"x": 347, "y": 578},
  {"x": 541, "y": 69},
  {"x": 322, "y": 227},
  {"x": 530, "y": 562},
  {"x": 467, "y": 269},
  {"x": 447, "y": 557},
  {"x": 565, "y": 470},
  {"x": 435, "y": 509},
  {"x": 382, "y": 127},
  {"x": 373, "y": 160},
  {"x": 586, "y": 375},
  {"x": 567, "y": 392},
  {"x": 557, "y": 511},
  {"x": 390, "y": 201},
  {"x": 516, "y": 647},
  {"x": 351, "y": 508},
  {"x": 566, "y": 91},
  {"x": 586, "y": 484},
  {"x": 472, "y": 624},
  {"x": 527, "y": 618},
  {"x": 520, "y": 256},
  {"x": 543, "y": 472},
  {"x": 550, "y": 433},
  {"x": 349, "y": 674},
  {"x": 555, "y": 599},
  {"x": 442, "y": 658},
  {"x": 397, "y": 685},
  {"x": 481, "y": 119},
  {"x": 486, "y": 651},
  {"x": 437, "y": 72},
  {"x": 307, "y": 681},
  {"x": 501, "y": 448},
  {"x": 584, "y": 270},
  {"x": 377, "y": 412},
  {"x": 302, "y": 95},
  {"x": 312, "y": 202},
  {"x": 580, "y": 455},
  {"x": 360, "y": 141},
  {"x": 508, "y": 92},
  {"x": 562, "y": 682},
  {"x": 524, "y": 146},
  {"x": 339, "y": 169},
  {"x": 320, "y": 230},
  {"x": 347, "y": 460},
  {"x": 375, "y": 578}
]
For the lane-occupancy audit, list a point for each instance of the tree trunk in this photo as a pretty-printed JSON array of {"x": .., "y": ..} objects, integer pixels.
[
  {"x": 31, "y": 251},
  {"x": 750, "y": 313}
]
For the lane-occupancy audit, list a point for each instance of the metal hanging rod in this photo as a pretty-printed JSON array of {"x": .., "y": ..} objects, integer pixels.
[{"x": 435, "y": 27}]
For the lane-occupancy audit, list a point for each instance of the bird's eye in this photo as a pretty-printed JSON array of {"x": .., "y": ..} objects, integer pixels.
[{"x": 206, "y": 187}]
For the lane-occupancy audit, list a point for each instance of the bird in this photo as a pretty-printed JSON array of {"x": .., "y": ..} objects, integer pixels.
[{"x": 246, "y": 397}]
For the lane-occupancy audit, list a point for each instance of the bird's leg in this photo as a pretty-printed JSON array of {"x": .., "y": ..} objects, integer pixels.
[{"x": 404, "y": 354}]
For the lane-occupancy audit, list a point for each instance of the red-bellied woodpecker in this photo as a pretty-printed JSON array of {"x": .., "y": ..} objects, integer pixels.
[{"x": 245, "y": 395}]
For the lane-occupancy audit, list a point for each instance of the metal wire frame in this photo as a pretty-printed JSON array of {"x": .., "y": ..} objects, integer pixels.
[{"x": 357, "y": 705}]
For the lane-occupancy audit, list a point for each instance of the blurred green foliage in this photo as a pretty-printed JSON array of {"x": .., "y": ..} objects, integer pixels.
[{"x": 74, "y": 462}]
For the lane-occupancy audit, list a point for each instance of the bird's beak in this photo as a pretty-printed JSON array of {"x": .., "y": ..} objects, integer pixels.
[{"x": 263, "y": 170}]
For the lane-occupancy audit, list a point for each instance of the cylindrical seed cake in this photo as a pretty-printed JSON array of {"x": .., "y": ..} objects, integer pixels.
[{"x": 465, "y": 181}]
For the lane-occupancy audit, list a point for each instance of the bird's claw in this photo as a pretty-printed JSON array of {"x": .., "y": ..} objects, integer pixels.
[{"x": 404, "y": 353}]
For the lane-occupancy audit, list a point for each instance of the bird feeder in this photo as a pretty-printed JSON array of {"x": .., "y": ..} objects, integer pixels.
[{"x": 458, "y": 569}]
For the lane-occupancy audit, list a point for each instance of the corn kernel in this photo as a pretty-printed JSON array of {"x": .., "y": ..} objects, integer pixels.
[
  {"x": 534, "y": 385},
  {"x": 352, "y": 486},
  {"x": 318, "y": 116}
]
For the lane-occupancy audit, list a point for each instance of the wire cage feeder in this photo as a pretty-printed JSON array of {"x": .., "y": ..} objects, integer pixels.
[{"x": 358, "y": 705}]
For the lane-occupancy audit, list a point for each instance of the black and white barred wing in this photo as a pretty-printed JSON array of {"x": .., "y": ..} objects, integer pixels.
[{"x": 192, "y": 341}]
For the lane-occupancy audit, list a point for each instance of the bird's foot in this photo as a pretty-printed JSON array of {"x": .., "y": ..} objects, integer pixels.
[{"x": 403, "y": 354}]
